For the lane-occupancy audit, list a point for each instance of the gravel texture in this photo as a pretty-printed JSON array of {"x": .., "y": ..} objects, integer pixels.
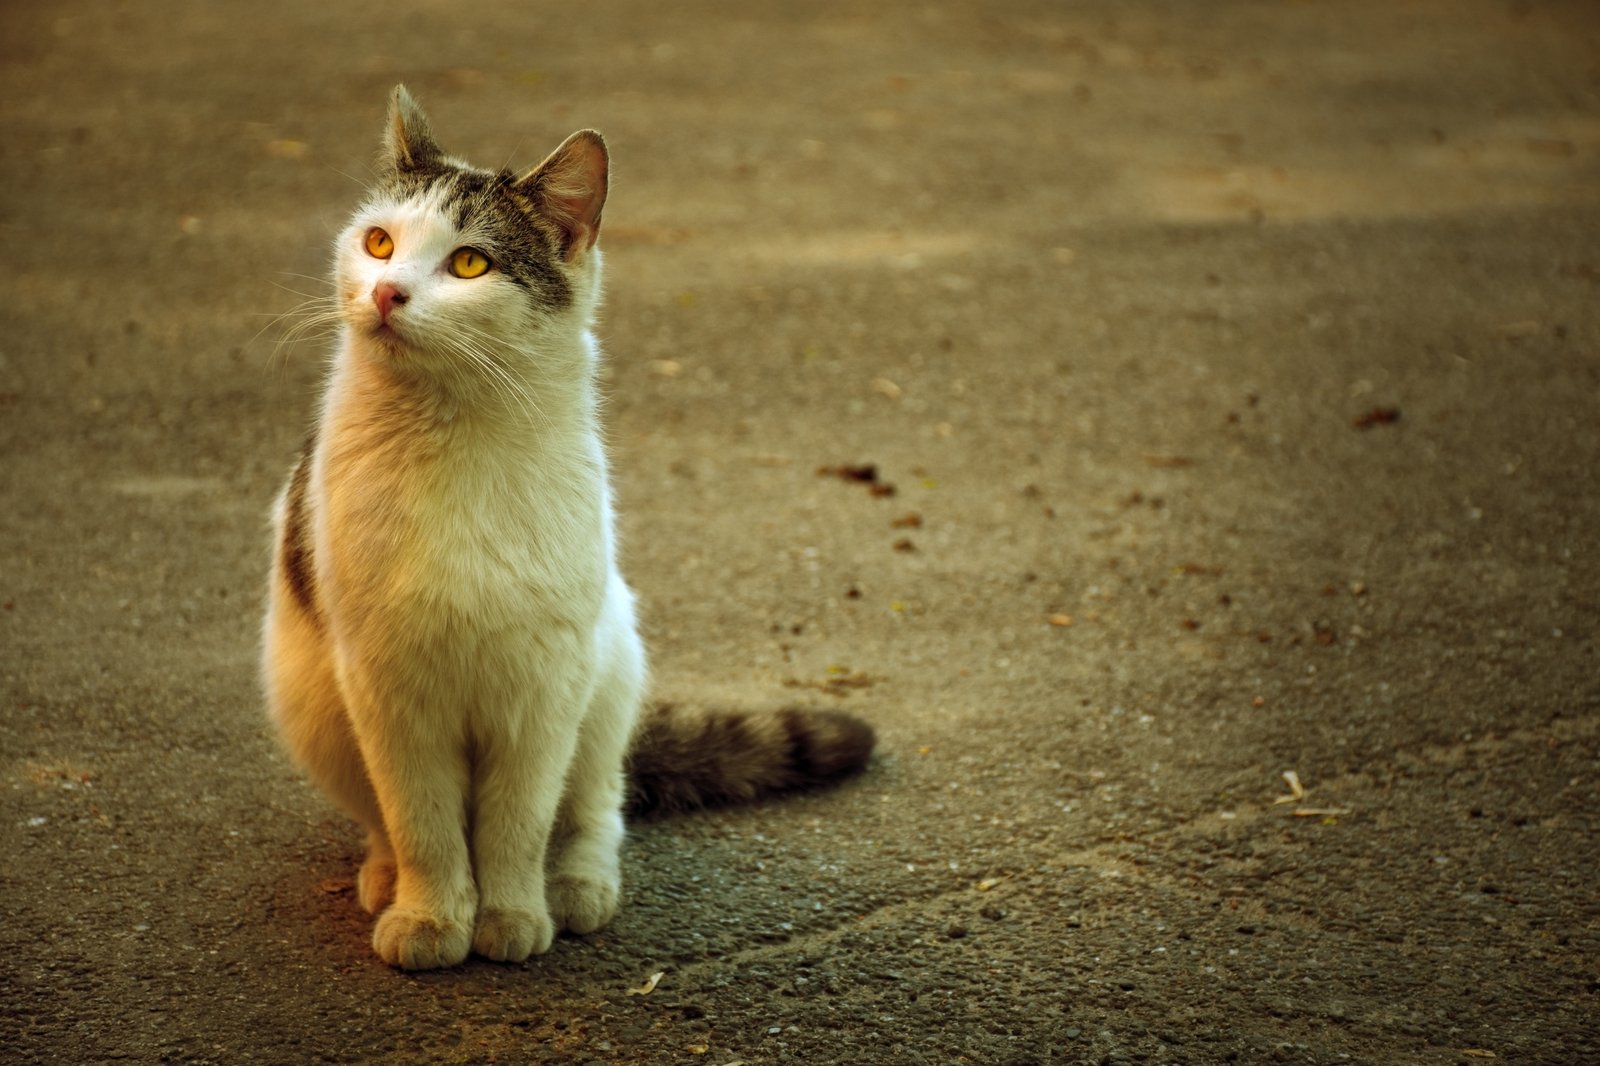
[{"x": 1259, "y": 340}]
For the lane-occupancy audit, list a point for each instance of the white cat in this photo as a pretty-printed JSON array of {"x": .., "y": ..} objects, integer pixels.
[{"x": 449, "y": 647}]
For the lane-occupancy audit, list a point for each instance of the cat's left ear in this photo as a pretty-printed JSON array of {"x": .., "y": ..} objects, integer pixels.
[
  {"x": 408, "y": 139},
  {"x": 569, "y": 188}
]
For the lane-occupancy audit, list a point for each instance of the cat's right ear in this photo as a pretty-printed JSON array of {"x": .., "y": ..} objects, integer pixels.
[
  {"x": 569, "y": 188},
  {"x": 408, "y": 139}
]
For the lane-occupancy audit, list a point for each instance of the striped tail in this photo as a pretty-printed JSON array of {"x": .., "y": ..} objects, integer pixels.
[{"x": 682, "y": 759}]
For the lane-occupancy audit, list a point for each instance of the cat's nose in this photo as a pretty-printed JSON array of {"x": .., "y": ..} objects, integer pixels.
[{"x": 388, "y": 296}]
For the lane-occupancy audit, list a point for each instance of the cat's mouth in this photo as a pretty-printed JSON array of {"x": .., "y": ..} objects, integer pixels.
[
  {"x": 385, "y": 334},
  {"x": 378, "y": 328}
]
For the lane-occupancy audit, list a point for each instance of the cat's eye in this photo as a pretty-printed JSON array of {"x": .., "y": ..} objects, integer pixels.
[
  {"x": 468, "y": 263},
  {"x": 379, "y": 244}
]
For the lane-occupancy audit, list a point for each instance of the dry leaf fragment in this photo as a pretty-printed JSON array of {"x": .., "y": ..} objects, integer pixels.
[
  {"x": 1294, "y": 783},
  {"x": 1378, "y": 416},
  {"x": 1478, "y": 1053},
  {"x": 887, "y": 387},
  {"x": 989, "y": 882},
  {"x": 699, "y": 1049},
  {"x": 867, "y": 472},
  {"x": 904, "y": 545},
  {"x": 909, "y": 520},
  {"x": 864, "y": 472},
  {"x": 1061, "y": 619},
  {"x": 1320, "y": 812},
  {"x": 58, "y": 771},
  {"x": 837, "y": 685},
  {"x": 649, "y": 986}
]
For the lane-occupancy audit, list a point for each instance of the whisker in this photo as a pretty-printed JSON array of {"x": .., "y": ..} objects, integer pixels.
[
  {"x": 507, "y": 164},
  {"x": 500, "y": 378},
  {"x": 540, "y": 375},
  {"x": 303, "y": 319},
  {"x": 342, "y": 174},
  {"x": 297, "y": 292},
  {"x": 514, "y": 381}
]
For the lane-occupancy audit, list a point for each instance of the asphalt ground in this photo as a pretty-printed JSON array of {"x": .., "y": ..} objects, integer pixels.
[{"x": 1259, "y": 340}]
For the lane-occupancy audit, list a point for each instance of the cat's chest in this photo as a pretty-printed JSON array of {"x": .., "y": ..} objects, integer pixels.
[{"x": 474, "y": 533}]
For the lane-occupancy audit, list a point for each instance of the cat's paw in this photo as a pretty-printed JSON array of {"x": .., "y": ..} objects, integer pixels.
[
  {"x": 417, "y": 940},
  {"x": 375, "y": 884},
  {"x": 511, "y": 934},
  {"x": 582, "y": 904}
]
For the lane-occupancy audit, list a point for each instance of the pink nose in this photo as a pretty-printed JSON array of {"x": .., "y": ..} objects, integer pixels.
[{"x": 388, "y": 296}]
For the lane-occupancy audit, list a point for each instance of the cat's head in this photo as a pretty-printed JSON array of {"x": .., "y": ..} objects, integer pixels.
[{"x": 446, "y": 261}]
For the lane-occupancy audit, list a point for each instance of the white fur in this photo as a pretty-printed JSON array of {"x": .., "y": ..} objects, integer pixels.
[{"x": 470, "y": 692}]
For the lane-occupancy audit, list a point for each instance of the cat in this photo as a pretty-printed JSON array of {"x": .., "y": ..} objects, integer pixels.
[{"x": 449, "y": 647}]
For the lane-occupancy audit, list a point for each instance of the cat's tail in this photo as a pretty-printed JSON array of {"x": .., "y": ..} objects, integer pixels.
[{"x": 683, "y": 758}]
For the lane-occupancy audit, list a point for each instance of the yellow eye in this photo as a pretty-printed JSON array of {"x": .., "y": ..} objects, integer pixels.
[
  {"x": 379, "y": 244},
  {"x": 468, "y": 263}
]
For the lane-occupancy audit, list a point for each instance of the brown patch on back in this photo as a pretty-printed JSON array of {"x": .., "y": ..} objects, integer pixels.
[
  {"x": 295, "y": 551},
  {"x": 683, "y": 759}
]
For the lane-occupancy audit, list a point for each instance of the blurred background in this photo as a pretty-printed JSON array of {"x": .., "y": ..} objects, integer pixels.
[{"x": 1227, "y": 372}]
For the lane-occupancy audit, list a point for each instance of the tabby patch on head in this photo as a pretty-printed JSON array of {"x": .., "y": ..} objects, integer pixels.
[{"x": 447, "y": 261}]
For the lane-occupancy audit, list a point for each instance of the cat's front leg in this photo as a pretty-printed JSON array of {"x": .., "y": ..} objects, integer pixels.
[
  {"x": 416, "y": 756},
  {"x": 522, "y": 761},
  {"x": 375, "y": 880},
  {"x": 585, "y": 876}
]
